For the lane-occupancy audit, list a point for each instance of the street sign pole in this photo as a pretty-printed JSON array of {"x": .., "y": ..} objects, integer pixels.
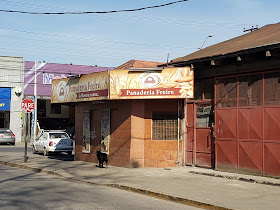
[
  {"x": 25, "y": 142},
  {"x": 27, "y": 105}
]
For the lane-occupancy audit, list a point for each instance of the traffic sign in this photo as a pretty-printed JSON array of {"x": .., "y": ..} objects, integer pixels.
[{"x": 27, "y": 105}]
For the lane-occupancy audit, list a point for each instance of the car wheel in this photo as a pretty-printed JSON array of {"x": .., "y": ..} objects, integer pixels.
[
  {"x": 34, "y": 150},
  {"x": 45, "y": 152},
  {"x": 69, "y": 153}
]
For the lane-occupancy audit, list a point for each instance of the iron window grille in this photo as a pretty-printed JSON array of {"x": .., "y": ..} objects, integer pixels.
[{"x": 165, "y": 126}]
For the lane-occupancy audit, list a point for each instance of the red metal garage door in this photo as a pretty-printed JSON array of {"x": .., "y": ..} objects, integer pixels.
[{"x": 247, "y": 124}]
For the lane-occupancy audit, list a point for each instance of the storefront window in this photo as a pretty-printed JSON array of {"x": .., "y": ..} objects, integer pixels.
[
  {"x": 86, "y": 131},
  {"x": 204, "y": 115},
  {"x": 55, "y": 108},
  {"x": 165, "y": 126},
  {"x": 41, "y": 104}
]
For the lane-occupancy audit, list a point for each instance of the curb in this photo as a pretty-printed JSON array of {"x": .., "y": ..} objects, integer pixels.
[
  {"x": 169, "y": 197},
  {"x": 244, "y": 179},
  {"x": 185, "y": 201},
  {"x": 37, "y": 170}
]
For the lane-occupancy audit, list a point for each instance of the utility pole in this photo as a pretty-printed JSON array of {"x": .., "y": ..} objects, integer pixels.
[{"x": 35, "y": 103}]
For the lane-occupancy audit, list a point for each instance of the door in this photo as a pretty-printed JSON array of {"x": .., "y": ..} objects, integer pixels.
[
  {"x": 200, "y": 138},
  {"x": 39, "y": 144}
]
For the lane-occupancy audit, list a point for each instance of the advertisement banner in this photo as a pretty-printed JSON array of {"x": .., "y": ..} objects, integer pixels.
[
  {"x": 168, "y": 83},
  {"x": 85, "y": 88}
]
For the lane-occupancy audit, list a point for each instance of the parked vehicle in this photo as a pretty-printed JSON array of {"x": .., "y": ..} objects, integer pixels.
[
  {"x": 53, "y": 142},
  {"x": 7, "y": 136}
]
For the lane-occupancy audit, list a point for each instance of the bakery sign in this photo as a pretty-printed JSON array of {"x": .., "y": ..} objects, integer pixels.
[
  {"x": 85, "y": 88},
  {"x": 169, "y": 83}
]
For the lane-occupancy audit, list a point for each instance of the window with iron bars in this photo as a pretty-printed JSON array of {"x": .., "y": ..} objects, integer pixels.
[{"x": 165, "y": 126}]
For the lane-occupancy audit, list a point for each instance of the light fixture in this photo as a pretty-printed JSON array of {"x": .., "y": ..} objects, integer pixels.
[
  {"x": 267, "y": 53},
  {"x": 192, "y": 66},
  {"x": 210, "y": 35},
  {"x": 18, "y": 91}
]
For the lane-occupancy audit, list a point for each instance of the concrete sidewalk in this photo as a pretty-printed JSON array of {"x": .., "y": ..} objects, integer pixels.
[{"x": 199, "y": 187}]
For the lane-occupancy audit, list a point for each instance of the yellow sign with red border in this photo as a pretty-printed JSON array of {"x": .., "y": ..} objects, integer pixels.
[{"x": 169, "y": 83}]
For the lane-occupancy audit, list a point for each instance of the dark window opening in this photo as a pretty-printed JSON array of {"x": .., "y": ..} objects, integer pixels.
[
  {"x": 41, "y": 110},
  {"x": 250, "y": 90},
  {"x": 226, "y": 92},
  {"x": 204, "y": 89},
  {"x": 272, "y": 88},
  {"x": 55, "y": 109}
]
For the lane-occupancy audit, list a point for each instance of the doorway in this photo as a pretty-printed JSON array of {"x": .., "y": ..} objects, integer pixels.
[{"x": 200, "y": 134}]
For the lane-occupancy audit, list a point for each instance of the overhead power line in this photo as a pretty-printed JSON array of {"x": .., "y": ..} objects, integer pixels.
[{"x": 92, "y": 12}]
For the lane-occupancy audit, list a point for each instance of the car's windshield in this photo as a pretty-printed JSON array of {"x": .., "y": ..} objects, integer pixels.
[
  {"x": 5, "y": 131},
  {"x": 58, "y": 135}
]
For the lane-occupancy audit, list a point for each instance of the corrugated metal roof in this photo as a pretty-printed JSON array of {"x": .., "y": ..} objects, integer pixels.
[
  {"x": 139, "y": 64},
  {"x": 265, "y": 36}
]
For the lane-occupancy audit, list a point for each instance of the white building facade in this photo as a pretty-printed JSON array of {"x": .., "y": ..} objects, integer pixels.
[{"x": 11, "y": 94}]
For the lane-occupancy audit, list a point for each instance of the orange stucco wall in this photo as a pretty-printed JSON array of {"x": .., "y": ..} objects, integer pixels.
[{"x": 131, "y": 132}]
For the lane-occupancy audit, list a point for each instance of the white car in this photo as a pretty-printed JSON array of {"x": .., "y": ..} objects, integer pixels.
[{"x": 53, "y": 142}]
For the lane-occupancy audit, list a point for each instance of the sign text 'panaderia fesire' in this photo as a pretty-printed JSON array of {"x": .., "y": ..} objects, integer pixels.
[
  {"x": 169, "y": 83},
  {"x": 123, "y": 84}
]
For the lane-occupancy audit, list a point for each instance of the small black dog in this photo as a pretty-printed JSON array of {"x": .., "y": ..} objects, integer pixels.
[{"x": 102, "y": 157}]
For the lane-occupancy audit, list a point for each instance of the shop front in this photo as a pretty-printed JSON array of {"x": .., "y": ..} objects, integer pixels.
[
  {"x": 233, "y": 120},
  {"x": 138, "y": 114}
]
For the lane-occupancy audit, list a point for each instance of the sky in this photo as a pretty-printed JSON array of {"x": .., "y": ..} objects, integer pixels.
[{"x": 110, "y": 40}]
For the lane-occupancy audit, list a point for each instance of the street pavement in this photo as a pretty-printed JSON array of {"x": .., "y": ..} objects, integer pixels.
[{"x": 200, "y": 187}]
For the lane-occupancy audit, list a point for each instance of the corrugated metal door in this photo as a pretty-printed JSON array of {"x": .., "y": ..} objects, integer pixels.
[{"x": 247, "y": 115}]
